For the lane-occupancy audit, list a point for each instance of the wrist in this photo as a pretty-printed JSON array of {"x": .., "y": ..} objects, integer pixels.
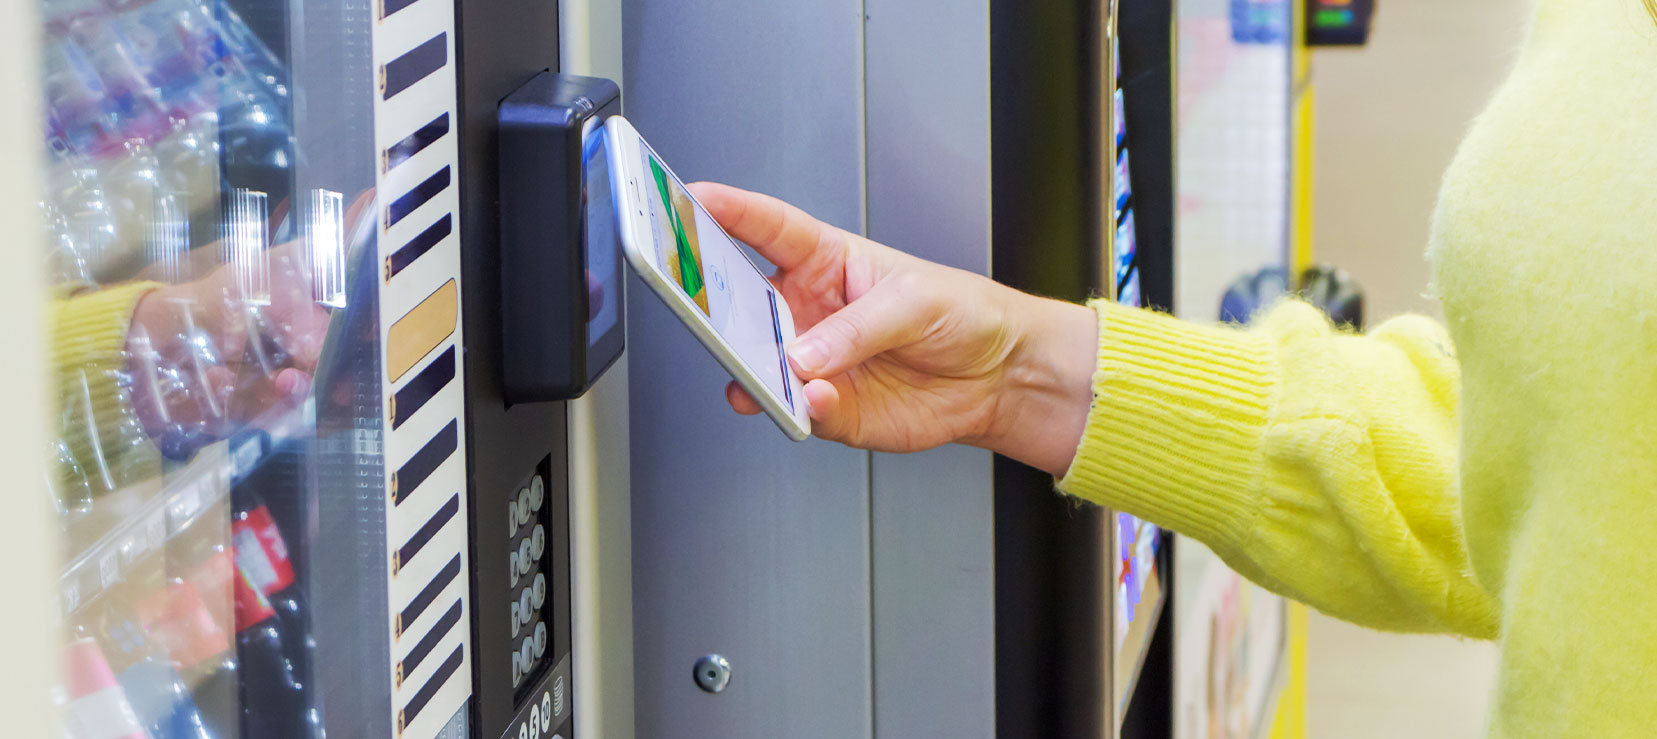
[
  {"x": 156, "y": 315},
  {"x": 1042, "y": 408}
]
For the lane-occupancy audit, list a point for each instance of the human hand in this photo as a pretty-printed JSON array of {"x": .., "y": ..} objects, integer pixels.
[{"x": 901, "y": 355}]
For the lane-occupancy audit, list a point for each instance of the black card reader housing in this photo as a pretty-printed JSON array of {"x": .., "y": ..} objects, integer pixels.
[{"x": 562, "y": 312}]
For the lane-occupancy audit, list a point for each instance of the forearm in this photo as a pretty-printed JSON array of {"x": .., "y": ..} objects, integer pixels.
[{"x": 1319, "y": 464}]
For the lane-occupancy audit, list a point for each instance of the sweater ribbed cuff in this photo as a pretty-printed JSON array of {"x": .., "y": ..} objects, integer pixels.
[
  {"x": 1175, "y": 429},
  {"x": 89, "y": 342}
]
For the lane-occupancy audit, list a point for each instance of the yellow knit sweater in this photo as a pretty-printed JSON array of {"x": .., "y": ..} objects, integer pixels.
[{"x": 1511, "y": 495}]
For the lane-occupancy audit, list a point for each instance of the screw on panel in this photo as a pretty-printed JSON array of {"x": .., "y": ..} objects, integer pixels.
[{"x": 712, "y": 673}]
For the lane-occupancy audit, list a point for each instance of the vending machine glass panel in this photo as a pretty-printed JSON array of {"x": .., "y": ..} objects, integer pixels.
[{"x": 259, "y": 460}]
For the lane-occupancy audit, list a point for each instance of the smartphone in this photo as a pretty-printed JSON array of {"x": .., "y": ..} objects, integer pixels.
[{"x": 704, "y": 277}]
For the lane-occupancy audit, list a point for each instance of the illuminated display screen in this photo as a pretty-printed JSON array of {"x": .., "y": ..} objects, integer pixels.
[
  {"x": 1137, "y": 583},
  {"x": 1338, "y": 22}
]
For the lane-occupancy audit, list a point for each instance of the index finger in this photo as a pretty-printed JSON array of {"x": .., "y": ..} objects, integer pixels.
[{"x": 782, "y": 233}]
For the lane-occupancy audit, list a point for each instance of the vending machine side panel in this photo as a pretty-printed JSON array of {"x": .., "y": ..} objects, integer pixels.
[
  {"x": 601, "y": 547},
  {"x": 745, "y": 544},
  {"x": 932, "y": 514}
]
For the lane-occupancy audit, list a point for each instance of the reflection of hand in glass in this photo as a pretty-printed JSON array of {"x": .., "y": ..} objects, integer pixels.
[
  {"x": 206, "y": 356},
  {"x": 595, "y": 296}
]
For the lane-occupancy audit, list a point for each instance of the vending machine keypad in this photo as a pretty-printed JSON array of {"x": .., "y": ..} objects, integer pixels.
[
  {"x": 524, "y": 626},
  {"x": 528, "y": 562}
]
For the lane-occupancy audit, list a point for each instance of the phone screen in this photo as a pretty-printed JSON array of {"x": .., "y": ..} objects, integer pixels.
[
  {"x": 603, "y": 270},
  {"x": 711, "y": 270}
]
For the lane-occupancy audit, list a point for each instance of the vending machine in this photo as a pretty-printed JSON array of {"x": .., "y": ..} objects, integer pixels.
[
  {"x": 1082, "y": 642},
  {"x": 840, "y": 593},
  {"x": 296, "y": 493}
]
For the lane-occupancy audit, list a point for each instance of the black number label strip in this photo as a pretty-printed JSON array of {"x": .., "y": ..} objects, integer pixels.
[
  {"x": 427, "y": 595},
  {"x": 425, "y": 534},
  {"x": 387, "y": 7},
  {"x": 419, "y": 245},
  {"x": 420, "y": 651},
  {"x": 415, "y": 142},
  {"x": 429, "y": 690},
  {"x": 417, "y": 64},
  {"x": 419, "y": 390},
  {"x": 424, "y": 462},
  {"x": 417, "y": 197}
]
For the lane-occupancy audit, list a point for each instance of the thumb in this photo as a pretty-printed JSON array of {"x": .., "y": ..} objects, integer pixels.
[{"x": 894, "y": 313}]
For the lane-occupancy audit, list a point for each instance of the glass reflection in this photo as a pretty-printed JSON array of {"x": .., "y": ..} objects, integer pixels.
[{"x": 196, "y": 268}]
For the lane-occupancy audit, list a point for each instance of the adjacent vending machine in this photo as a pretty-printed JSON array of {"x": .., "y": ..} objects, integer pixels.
[{"x": 292, "y": 497}]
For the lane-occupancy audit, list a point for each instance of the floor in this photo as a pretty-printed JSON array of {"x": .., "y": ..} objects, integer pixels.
[{"x": 1363, "y": 683}]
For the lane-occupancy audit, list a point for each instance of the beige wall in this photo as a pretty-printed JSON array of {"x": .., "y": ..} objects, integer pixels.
[
  {"x": 28, "y": 531},
  {"x": 1389, "y": 118}
]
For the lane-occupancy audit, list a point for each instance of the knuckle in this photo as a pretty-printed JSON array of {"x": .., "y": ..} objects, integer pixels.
[
  {"x": 853, "y": 328},
  {"x": 911, "y": 284}
]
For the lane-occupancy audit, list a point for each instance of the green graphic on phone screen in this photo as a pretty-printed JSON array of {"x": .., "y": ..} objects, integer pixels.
[
  {"x": 692, "y": 252},
  {"x": 684, "y": 263}
]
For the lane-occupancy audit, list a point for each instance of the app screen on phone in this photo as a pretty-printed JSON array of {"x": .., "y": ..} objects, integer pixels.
[{"x": 712, "y": 271}]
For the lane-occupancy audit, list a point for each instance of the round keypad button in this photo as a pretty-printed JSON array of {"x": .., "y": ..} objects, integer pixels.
[{"x": 538, "y": 542}]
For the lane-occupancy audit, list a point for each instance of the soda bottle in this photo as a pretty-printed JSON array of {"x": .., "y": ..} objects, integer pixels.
[
  {"x": 159, "y": 35},
  {"x": 189, "y": 158},
  {"x": 191, "y": 627},
  {"x": 132, "y": 183},
  {"x": 158, "y": 695},
  {"x": 95, "y": 707},
  {"x": 140, "y": 112},
  {"x": 251, "y": 53},
  {"x": 86, "y": 116},
  {"x": 194, "y": 619},
  {"x": 276, "y": 695},
  {"x": 66, "y": 482},
  {"x": 273, "y": 702},
  {"x": 92, "y": 231},
  {"x": 65, "y": 264}
]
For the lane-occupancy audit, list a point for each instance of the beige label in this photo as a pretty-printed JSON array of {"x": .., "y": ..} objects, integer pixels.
[{"x": 420, "y": 332}]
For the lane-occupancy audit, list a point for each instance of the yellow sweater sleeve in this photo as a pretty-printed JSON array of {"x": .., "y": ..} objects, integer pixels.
[
  {"x": 103, "y": 446},
  {"x": 1320, "y": 464}
]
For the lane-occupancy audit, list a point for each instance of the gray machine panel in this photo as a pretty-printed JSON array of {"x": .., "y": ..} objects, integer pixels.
[
  {"x": 928, "y": 79},
  {"x": 934, "y": 594},
  {"x": 744, "y": 543}
]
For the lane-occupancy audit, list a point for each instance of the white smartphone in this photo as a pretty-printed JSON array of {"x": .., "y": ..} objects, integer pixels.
[{"x": 704, "y": 277}]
